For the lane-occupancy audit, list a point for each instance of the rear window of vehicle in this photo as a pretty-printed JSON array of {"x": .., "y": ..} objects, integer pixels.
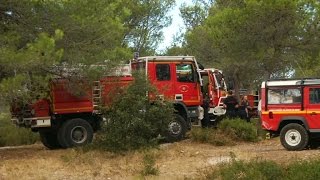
[{"x": 284, "y": 96}]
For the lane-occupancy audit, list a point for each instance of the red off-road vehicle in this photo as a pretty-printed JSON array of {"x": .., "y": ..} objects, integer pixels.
[{"x": 291, "y": 108}]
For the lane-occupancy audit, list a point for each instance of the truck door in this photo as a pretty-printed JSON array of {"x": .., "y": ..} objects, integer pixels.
[
  {"x": 312, "y": 100},
  {"x": 187, "y": 86},
  {"x": 161, "y": 74}
]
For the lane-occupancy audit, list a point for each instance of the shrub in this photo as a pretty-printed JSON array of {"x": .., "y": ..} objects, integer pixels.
[
  {"x": 263, "y": 169},
  {"x": 262, "y": 134},
  {"x": 308, "y": 169},
  {"x": 211, "y": 136},
  {"x": 255, "y": 169},
  {"x": 228, "y": 131},
  {"x": 239, "y": 129},
  {"x": 12, "y": 136},
  {"x": 133, "y": 121},
  {"x": 149, "y": 165}
]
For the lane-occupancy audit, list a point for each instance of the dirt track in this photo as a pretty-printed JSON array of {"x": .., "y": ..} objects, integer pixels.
[{"x": 181, "y": 160}]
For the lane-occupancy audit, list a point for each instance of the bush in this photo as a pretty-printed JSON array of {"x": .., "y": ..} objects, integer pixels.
[
  {"x": 255, "y": 169},
  {"x": 12, "y": 136},
  {"x": 228, "y": 132},
  {"x": 263, "y": 169},
  {"x": 133, "y": 121},
  {"x": 149, "y": 165},
  {"x": 262, "y": 134},
  {"x": 308, "y": 169},
  {"x": 239, "y": 129},
  {"x": 211, "y": 136}
]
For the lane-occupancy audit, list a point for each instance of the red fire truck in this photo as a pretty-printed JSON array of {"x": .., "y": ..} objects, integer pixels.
[
  {"x": 66, "y": 120},
  {"x": 291, "y": 108}
]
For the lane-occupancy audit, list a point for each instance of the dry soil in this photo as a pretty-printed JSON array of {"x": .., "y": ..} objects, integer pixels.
[{"x": 181, "y": 160}]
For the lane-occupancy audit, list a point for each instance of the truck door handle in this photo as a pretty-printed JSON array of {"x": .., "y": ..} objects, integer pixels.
[{"x": 313, "y": 113}]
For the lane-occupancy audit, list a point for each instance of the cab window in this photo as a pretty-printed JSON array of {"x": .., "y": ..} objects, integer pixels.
[
  {"x": 284, "y": 96},
  {"x": 163, "y": 72},
  {"x": 314, "y": 96},
  {"x": 185, "y": 73}
]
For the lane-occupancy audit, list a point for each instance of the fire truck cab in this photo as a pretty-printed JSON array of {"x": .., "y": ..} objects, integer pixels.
[
  {"x": 197, "y": 93},
  {"x": 291, "y": 108}
]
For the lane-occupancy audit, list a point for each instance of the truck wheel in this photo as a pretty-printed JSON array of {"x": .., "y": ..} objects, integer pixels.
[
  {"x": 75, "y": 132},
  {"x": 177, "y": 129},
  {"x": 294, "y": 137},
  {"x": 49, "y": 140}
]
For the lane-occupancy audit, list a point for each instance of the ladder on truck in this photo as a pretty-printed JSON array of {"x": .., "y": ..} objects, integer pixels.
[{"x": 96, "y": 97}]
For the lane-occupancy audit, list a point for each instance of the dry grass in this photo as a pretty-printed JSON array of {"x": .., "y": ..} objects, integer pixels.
[{"x": 183, "y": 160}]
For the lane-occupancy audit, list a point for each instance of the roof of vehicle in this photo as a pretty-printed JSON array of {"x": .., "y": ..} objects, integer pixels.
[
  {"x": 165, "y": 58},
  {"x": 290, "y": 82}
]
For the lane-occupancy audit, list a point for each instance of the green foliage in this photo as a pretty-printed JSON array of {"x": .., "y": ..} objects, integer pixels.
[
  {"x": 255, "y": 169},
  {"x": 149, "y": 162},
  {"x": 264, "y": 169},
  {"x": 26, "y": 89},
  {"x": 268, "y": 39},
  {"x": 212, "y": 136},
  {"x": 37, "y": 36},
  {"x": 146, "y": 22},
  {"x": 25, "y": 68},
  {"x": 238, "y": 129},
  {"x": 228, "y": 132},
  {"x": 308, "y": 169},
  {"x": 193, "y": 15},
  {"x": 13, "y": 136},
  {"x": 133, "y": 122}
]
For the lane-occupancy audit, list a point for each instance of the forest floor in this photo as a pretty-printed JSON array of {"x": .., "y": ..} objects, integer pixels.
[{"x": 181, "y": 160}]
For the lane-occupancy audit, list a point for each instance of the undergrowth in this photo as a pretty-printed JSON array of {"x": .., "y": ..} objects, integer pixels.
[
  {"x": 265, "y": 170},
  {"x": 134, "y": 122},
  {"x": 10, "y": 135},
  {"x": 239, "y": 129},
  {"x": 149, "y": 164},
  {"x": 212, "y": 136},
  {"x": 228, "y": 132}
]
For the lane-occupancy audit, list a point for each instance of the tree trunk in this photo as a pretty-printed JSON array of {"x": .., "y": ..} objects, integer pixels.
[{"x": 236, "y": 83}]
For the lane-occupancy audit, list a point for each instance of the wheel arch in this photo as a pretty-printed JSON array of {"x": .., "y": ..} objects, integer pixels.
[
  {"x": 181, "y": 109},
  {"x": 293, "y": 119}
]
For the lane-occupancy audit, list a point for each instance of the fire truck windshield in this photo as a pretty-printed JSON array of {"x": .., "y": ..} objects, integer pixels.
[{"x": 185, "y": 73}]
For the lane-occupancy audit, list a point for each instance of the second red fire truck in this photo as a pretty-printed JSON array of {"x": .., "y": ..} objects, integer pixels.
[{"x": 66, "y": 120}]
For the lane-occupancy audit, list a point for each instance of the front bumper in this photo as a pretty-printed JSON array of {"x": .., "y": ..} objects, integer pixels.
[{"x": 33, "y": 122}]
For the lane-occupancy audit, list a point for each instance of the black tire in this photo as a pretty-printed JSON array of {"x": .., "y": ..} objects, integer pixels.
[
  {"x": 49, "y": 140},
  {"x": 75, "y": 132},
  {"x": 294, "y": 137},
  {"x": 61, "y": 136},
  {"x": 176, "y": 129}
]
